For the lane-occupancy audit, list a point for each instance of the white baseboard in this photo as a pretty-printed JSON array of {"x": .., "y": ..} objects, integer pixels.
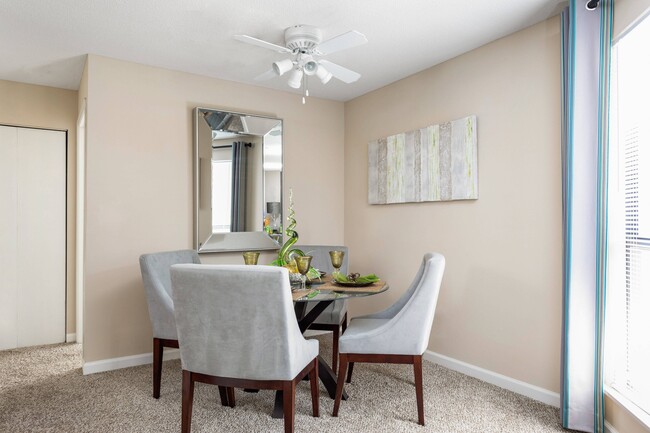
[
  {"x": 514, "y": 385},
  {"x": 126, "y": 361},
  {"x": 70, "y": 338},
  {"x": 609, "y": 428}
]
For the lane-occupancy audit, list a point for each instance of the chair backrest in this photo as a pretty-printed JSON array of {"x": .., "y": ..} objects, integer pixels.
[
  {"x": 237, "y": 321},
  {"x": 158, "y": 288},
  {"x": 413, "y": 313},
  {"x": 321, "y": 256}
]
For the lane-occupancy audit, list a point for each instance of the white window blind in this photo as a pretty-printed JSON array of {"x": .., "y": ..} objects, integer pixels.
[
  {"x": 628, "y": 290},
  {"x": 221, "y": 193}
]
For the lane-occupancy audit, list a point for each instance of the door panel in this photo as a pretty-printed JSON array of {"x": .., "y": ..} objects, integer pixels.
[
  {"x": 40, "y": 236},
  {"x": 8, "y": 238}
]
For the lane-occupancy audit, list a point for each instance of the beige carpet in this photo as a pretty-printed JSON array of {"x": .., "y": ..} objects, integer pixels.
[{"x": 42, "y": 390}]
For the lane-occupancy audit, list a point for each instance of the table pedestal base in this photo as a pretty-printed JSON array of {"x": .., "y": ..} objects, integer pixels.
[
  {"x": 325, "y": 372},
  {"x": 326, "y": 375}
]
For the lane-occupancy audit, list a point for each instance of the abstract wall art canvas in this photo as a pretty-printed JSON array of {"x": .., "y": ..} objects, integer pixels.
[{"x": 436, "y": 163}]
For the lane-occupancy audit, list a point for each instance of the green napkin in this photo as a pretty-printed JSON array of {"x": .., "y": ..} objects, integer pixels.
[{"x": 370, "y": 278}]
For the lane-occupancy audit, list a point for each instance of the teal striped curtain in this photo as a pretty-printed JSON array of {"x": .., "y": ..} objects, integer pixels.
[{"x": 586, "y": 46}]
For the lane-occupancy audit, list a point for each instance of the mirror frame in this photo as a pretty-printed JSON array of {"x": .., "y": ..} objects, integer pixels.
[{"x": 233, "y": 241}]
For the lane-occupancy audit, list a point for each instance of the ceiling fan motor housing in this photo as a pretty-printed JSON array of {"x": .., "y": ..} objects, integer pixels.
[{"x": 302, "y": 38}]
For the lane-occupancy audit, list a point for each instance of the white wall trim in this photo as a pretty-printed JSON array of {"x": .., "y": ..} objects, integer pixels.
[
  {"x": 126, "y": 361},
  {"x": 514, "y": 385},
  {"x": 70, "y": 338},
  {"x": 80, "y": 222},
  {"x": 610, "y": 428},
  {"x": 633, "y": 411}
]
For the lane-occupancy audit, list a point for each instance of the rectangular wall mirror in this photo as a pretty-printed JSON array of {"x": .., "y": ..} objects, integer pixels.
[{"x": 237, "y": 181}]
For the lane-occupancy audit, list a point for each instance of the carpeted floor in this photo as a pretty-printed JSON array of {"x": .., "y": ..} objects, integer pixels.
[{"x": 42, "y": 390}]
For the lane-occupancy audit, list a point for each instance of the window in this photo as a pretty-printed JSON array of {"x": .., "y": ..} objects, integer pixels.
[
  {"x": 221, "y": 193},
  {"x": 628, "y": 289}
]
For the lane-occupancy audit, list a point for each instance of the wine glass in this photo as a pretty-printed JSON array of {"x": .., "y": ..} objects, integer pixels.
[
  {"x": 303, "y": 263},
  {"x": 250, "y": 257},
  {"x": 337, "y": 260}
]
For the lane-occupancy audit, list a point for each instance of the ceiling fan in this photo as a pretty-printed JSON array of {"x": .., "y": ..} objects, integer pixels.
[{"x": 304, "y": 44}]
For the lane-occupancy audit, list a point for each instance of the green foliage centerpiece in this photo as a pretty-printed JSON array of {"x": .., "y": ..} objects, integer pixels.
[{"x": 287, "y": 255}]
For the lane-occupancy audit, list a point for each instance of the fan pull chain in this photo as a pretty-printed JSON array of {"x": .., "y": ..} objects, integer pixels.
[{"x": 304, "y": 82}]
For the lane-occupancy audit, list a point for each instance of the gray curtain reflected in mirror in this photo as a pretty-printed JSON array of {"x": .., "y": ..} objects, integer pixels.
[
  {"x": 239, "y": 174},
  {"x": 238, "y": 181}
]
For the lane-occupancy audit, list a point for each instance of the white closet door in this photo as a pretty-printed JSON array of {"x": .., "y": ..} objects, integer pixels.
[
  {"x": 37, "y": 268},
  {"x": 8, "y": 238}
]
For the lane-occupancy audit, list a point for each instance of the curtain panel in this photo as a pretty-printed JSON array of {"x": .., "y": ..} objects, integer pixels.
[
  {"x": 239, "y": 177},
  {"x": 586, "y": 46}
]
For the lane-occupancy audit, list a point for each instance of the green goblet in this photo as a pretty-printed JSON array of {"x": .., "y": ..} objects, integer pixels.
[
  {"x": 303, "y": 263},
  {"x": 337, "y": 260},
  {"x": 250, "y": 257}
]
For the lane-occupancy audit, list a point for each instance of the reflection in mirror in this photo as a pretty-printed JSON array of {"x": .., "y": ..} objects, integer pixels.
[{"x": 238, "y": 181}]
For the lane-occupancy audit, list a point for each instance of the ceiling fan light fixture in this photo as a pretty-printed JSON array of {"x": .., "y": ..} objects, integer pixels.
[
  {"x": 310, "y": 67},
  {"x": 323, "y": 74},
  {"x": 295, "y": 79},
  {"x": 283, "y": 66}
]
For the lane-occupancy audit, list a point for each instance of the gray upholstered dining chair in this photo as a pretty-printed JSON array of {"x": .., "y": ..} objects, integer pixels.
[
  {"x": 397, "y": 335},
  {"x": 158, "y": 289},
  {"x": 335, "y": 317},
  {"x": 237, "y": 328}
]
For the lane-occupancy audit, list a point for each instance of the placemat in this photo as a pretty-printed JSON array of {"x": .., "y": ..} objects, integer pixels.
[
  {"x": 374, "y": 287},
  {"x": 328, "y": 284},
  {"x": 297, "y": 294}
]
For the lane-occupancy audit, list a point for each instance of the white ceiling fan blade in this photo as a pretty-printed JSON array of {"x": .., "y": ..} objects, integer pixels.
[
  {"x": 341, "y": 42},
  {"x": 266, "y": 75},
  {"x": 338, "y": 71},
  {"x": 260, "y": 43}
]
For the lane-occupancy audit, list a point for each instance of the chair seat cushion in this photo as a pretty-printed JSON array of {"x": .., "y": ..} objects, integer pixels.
[
  {"x": 332, "y": 315},
  {"x": 355, "y": 340},
  {"x": 357, "y": 327}
]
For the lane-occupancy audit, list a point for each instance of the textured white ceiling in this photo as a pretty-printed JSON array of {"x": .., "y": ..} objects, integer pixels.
[{"x": 44, "y": 42}]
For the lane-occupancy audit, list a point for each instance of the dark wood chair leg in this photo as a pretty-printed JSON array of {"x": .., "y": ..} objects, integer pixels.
[
  {"x": 335, "y": 348},
  {"x": 349, "y": 378},
  {"x": 223, "y": 395},
  {"x": 339, "y": 383},
  {"x": 231, "y": 396},
  {"x": 157, "y": 366},
  {"x": 313, "y": 379},
  {"x": 417, "y": 370},
  {"x": 188, "y": 397},
  {"x": 289, "y": 402},
  {"x": 335, "y": 342}
]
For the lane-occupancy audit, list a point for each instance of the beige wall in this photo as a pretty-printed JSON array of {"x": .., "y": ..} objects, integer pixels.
[
  {"x": 500, "y": 302},
  {"x": 139, "y": 182},
  {"x": 627, "y": 12},
  {"x": 48, "y": 107}
]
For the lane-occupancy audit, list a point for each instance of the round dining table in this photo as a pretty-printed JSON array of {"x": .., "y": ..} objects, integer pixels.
[{"x": 319, "y": 295}]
